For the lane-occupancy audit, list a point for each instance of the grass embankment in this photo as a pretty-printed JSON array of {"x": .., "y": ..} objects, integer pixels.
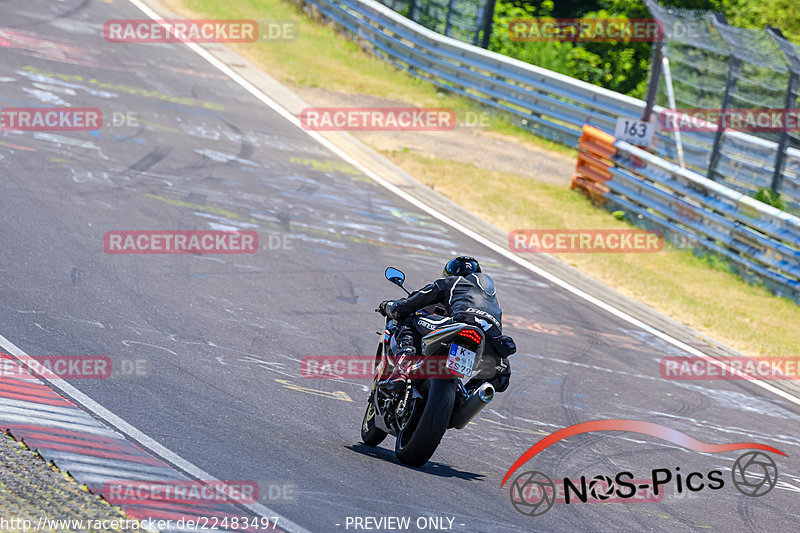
[{"x": 677, "y": 283}]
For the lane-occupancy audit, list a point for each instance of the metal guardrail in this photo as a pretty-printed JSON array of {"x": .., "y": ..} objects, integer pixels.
[
  {"x": 762, "y": 243},
  {"x": 555, "y": 106}
]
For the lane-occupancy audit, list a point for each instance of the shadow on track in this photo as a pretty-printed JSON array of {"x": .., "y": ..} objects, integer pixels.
[{"x": 431, "y": 467}]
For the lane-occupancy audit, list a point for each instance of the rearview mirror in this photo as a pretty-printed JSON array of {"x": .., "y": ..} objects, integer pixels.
[{"x": 395, "y": 276}]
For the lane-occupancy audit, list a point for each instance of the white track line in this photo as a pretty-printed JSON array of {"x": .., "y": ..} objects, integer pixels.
[
  {"x": 147, "y": 442},
  {"x": 249, "y": 87},
  {"x": 262, "y": 510}
]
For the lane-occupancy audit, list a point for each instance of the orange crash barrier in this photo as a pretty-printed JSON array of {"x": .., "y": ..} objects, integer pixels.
[{"x": 596, "y": 149}]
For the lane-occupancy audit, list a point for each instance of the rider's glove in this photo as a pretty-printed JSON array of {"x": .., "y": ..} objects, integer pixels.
[{"x": 386, "y": 308}]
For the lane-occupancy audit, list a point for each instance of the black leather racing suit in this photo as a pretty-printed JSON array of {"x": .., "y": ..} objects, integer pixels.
[{"x": 470, "y": 299}]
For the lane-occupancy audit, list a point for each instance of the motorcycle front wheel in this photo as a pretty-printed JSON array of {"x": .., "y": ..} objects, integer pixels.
[
  {"x": 371, "y": 435},
  {"x": 426, "y": 423}
]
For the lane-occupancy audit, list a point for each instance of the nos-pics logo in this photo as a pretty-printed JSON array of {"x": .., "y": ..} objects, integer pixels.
[{"x": 533, "y": 493}]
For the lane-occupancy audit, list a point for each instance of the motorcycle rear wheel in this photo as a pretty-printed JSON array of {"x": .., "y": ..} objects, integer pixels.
[{"x": 418, "y": 440}]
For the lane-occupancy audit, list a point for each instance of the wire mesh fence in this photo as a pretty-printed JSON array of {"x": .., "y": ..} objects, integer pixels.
[
  {"x": 744, "y": 75},
  {"x": 469, "y": 21}
]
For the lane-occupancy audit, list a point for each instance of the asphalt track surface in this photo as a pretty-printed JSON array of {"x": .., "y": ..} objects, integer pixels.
[{"x": 222, "y": 336}]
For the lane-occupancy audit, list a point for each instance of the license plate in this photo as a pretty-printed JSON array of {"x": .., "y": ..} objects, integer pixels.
[{"x": 460, "y": 360}]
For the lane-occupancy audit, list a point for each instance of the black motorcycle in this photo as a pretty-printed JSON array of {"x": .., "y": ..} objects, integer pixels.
[{"x": 431, "y": 402}]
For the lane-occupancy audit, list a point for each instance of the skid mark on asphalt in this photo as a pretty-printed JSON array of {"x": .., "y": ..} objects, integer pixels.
[
  {"x": 508, "y": 427},
  {"x": 78, "y": 320},
  {"x": 151, "y": 159},
  {"x": 562, "y": 330},
  {"x": 128, "y": 343},
  {"x": 596, "y": 368},
  {"x": 651, "y": 513},
  {"x": 739, "y": 401},
  {"x": 739, "y": 433}
]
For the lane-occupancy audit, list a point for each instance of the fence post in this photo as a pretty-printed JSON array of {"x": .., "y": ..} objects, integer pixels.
[
  {"x": 413, "y": 12},
  {"x": 791, "y": 101},
  {"x": 733, "y": 70},
  {"x": 488, "y": 23},
  {"x": 783, "y": 144},
  {"x": 653, "y": 79},
  {"x": 447, "y": 23}
]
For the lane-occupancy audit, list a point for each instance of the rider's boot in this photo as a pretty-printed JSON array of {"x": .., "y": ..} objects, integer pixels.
[{"x": 396, "y": 382}]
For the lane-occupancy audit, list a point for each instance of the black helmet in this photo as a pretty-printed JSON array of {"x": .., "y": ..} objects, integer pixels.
[{"x": 461, "y": 266}]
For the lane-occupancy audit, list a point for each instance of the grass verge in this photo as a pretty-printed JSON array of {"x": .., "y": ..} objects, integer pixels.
[
  {"x": 321, "y": 58},
  {"x": 676, "y": 283}
]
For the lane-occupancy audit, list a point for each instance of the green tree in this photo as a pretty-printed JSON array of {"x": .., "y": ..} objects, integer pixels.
[{"x": 620, "y": 66}]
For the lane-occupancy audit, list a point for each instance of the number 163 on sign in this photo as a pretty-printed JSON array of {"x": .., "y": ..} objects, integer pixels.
[{"x": 636, "y": 132}]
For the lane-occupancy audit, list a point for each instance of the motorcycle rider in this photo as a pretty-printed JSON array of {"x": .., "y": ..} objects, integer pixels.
[{"x": 467, "y": 295}]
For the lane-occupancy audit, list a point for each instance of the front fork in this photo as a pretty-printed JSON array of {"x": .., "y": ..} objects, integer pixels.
[{"x": 401, "y": 407}]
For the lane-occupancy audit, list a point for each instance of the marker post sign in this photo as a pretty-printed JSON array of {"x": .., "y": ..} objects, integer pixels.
[{"x": 635, "y": 132}]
